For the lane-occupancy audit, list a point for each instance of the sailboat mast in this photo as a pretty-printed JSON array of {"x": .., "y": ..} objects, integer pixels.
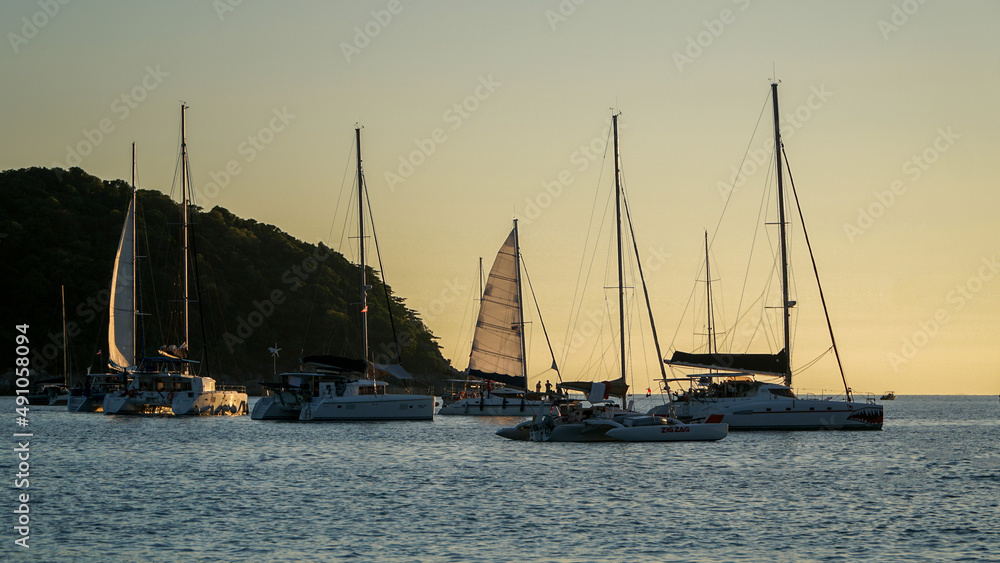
[
  {"x": 520, "y": 307},
  {"x": 361, "y": 252},
  {"x": 65, "y": 345},
  {"x": 712, "y": 345},
  {"x": 621, "y": 267},
  {"x": 184, "y": 227},
  {"x": 135, "y": 259},
  {"x": 785, "y": 303}
]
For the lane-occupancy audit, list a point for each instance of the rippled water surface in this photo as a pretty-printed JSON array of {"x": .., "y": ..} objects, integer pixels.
[{"x": 107, "y": 488}]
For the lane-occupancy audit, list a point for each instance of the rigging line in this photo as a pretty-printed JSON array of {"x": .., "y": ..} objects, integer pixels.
[
  {"x": 732, "y": 189},
  {"x": 822, "y": 299},
  {"x": 462, "y": 338},
  {"x": 813, "y": 362},
  {"x": 381, "y": 275},
  {"x": 540, "y": 320},
  {"x": 761, "y": 217},
  {"x": 645, "y": 292},
  {"x": 583, "y": 258},
  {"x": 340, "y": 196}
]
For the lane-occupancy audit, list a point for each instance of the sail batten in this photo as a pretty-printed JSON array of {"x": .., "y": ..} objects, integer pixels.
[
  {"x": 121, "y": 327},
  {"x": 497, "y": 351}
]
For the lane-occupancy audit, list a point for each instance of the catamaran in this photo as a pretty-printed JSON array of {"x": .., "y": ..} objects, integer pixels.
[
  {"x": 498, "y": 347},
  {"x": 732, "y": 390},
  {"x": 599, "y": 418},
  {"x": 348, "y": 389},
  {"x": 164, "y": 384}
]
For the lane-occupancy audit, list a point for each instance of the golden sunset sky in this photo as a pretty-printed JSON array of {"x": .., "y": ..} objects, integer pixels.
[{"x": 475, "y": 113}]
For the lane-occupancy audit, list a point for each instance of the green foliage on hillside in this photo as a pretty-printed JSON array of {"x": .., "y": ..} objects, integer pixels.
[{"x": 259, "y": 286}]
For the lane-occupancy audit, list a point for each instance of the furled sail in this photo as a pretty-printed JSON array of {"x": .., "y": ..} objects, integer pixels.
[
  {"x": 121, "y": 328},
  {"x": 776, "y": 364},
  {"x": 497, "y": 349}
]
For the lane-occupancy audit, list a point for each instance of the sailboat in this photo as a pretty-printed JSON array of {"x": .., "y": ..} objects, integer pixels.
[
  {"x": 733, "y": 391},
  {"x": 498, "y": 347},
  {"x": 347, "y": 389},
  {"x": 599, "y": 419},
  {"x": 164, "y": 384},
  {"x": 89, "y": 397}
]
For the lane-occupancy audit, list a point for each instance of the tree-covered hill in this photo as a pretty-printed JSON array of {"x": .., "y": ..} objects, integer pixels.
[{"x": 258, "y": 285}]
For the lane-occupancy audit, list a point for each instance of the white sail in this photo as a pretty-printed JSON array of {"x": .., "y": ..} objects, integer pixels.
[
  {"x": 121, "y": 329},
  {"x": 497, "y": 349}
]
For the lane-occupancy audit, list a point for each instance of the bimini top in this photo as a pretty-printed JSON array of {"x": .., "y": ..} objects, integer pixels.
[{"x": 768, "y": 364}]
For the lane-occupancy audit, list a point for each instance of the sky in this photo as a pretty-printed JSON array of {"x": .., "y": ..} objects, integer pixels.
[{"x": 476, "y": 113}]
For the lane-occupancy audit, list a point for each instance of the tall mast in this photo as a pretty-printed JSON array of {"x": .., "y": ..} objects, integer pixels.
[
  {"x": 135, "y": 260},
  {"x": 520, "y": 306},
  {"x": 184, "y": 227},
  {"x": 621, "y": 267},
  {"x": 65, "y": 345},
  {"x": 712, "y": 343},
  {"x": 361, "y": 253},
  {"x": 785, "y": 303}
]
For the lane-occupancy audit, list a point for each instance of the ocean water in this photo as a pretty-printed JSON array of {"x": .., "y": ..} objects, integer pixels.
[{"x": 106, "y": 488}]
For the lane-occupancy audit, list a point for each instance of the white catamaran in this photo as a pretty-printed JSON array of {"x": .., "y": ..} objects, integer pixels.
[
  {"x": 348, "y": 390},
  {"x": 598, "y": 419},
  {"x": 731, "y": 391},
  {"x": 162, "y": 385},
  {"x": 498, "y": 347}
]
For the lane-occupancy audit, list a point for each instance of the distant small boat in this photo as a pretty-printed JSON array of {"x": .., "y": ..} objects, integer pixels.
[{"x": 889, "y": 396}]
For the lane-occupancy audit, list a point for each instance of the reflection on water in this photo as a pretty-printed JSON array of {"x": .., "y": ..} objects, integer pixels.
[{"x": 199, "y": 489}]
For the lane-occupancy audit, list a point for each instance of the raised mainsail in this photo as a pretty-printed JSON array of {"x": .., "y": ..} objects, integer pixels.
[
  {"x": 121, "y": 328},
  {"x": 498, "y": 343}
]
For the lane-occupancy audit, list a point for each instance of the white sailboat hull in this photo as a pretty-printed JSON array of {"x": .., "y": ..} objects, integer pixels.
[
  {"x": 781, "y": 413},
  {"x": 80, "y": 403},
  {"x": 280, "y": 406},
  {"x": 204, "y": 403},
  {"x": 494, "y": 406},
  {"x": 369, "y": 407}
]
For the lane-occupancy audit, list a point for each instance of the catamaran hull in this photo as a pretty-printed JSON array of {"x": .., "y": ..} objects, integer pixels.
[
  {"x": 79, "y": 403},
  {"x": 677, "y": 433},
  {"x": 287, "y": 406},
  {"x": 184, "y": 403},
  {"x": 792, "y": 414},
  {"x": 210, "y": 403},
  {"x": 369, "y": 407},
  {"x": 493, "y": 407}
]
